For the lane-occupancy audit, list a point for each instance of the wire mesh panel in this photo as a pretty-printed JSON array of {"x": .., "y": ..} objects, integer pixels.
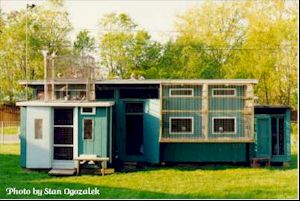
[
  {"x": 207, "y": 112},
  {"x": 62, "y": 74},
  {"x": 70, "y": 68},
  {"x": 181, "y": 111}
]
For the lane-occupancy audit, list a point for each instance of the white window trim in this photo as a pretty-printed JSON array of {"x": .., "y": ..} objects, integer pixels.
[
  {"x": 178, "y": 133},
  {"x": 88, "y": 113},
  {"x": 93, "y": 126},
  {"x": 180, "y": 89},
  {"x": 224, "y": 133},
  {"x": 225, "y": 89}
]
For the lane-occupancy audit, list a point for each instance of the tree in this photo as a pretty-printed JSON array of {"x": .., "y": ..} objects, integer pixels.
[
  {"x": 22, "y": 40},
  {"x": 84, "y": 43},
  {"x": 247, "y": 39},
  {"x": 123, "y": 47}
]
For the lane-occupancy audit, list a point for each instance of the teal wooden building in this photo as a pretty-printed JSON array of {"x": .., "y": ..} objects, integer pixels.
[{"x": 74, "y": 113}]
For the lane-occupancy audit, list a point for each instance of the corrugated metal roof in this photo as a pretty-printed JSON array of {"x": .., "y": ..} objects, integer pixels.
[{"x": 66, "y": 104}]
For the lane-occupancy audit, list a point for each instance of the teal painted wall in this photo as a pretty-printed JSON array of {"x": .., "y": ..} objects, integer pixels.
[
  {"x": 226, "y": 103},
  {"x": 23, "y": 137},
  {"x": 151, "y": 130},
  {"x": 262, "y": 136},
  {"x": 203, "y": 152},
  {"x": 99, "y": 145}
]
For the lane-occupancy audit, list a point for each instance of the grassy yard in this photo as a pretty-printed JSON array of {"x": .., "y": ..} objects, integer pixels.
[
  {"x": 177, "y": 182},
  {"x": 11, "y": 130}
]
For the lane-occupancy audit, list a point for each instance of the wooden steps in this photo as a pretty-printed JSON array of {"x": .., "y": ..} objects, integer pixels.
[
  {"x": 256, "y": 162},
  {"x": 62, "y": 172}
]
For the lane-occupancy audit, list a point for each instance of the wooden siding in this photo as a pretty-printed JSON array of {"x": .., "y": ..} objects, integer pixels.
[{"x": 9, "y": 113}]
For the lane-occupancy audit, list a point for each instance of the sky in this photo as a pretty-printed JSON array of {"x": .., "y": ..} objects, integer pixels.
[{"x": 157, "y": 17}]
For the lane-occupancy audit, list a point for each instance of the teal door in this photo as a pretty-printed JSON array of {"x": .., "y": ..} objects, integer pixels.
[
  {"x": 263, "y": 136},
  {"x": 93, "y": 131}
]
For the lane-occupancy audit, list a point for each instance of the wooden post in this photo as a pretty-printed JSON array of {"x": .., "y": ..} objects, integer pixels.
[
  {"x": 52, "y": 79},
  {"x": 205, "y": 115},
  {"x": 161, "y": 114},
  {"x": 45, "y": 53}
]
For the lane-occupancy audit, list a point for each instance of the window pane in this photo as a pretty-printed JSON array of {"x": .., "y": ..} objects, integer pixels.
[
  {"x": 88, "y": 129},
  {"x": 87, "y": 110},
  {"x": 274, "y": 136},
  {"x": 181, "y": 125},
  {"x": 224, "y": 92},
  {"x": 281, "y": 136},
  {"x": 63, "y": 135},
  {"x": 38, "y": 126},
  {"x": 224, "y": 125},
  {"x": 63, "y": 117},
  {"x": 63, "y": 153},
  {"x": 181, "y": 92}
]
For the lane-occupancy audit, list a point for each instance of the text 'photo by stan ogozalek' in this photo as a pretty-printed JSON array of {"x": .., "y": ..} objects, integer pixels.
[{"x": 50, "y": 191}]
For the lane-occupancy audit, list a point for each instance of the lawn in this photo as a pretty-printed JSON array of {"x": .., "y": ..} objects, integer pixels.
[
  {"x": 11, "y": 130},
  {"x": 166, "y": 182}
]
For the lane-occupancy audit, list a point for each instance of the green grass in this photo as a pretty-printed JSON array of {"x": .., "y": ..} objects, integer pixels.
[
  {"x": 12, "y": 130},
  {"x": 178, "y": 182}
]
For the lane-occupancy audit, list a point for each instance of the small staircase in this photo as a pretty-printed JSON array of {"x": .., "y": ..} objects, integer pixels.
[{"x": 256, "y": 162}]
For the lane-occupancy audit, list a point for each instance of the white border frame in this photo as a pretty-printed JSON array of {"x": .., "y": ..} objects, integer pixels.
[
  {"x": 93, "y": 129},
  {"x": 180, "y": 89},
  {"x": 224, "y": 89},
  {"x": 178, "y": 133},
  {"x": 88, "y": 113},
  {"x": 223, "y": 133}
]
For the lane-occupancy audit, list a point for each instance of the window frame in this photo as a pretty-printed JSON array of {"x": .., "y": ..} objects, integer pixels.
[
  {"x": 181, "y": 89},
  {"x": 88, "y": 113},
  {"x": 41, "y": 127},
  {"x": 179, "y": 133},
  {"x": 224, "y": 89},
  {"x": 93, "y": 126},
  {"x": 224, "y": 133},
  {"x": 63, "y": 126}
]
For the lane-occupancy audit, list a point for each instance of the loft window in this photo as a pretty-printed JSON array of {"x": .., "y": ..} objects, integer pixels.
[
  {"x": 181, "y": 125},
  {"x": 223, "y": 92},
  {"x": 181, "y": 92},
  {"x": 224, "y": 125},
  {"x": 143, "y": 93},
  {"x": 105, "y": 94},
  {"x": 88, "y": 125},
  {"x": 88, "y": 110},
  {"x": 38, "y": 128}
]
